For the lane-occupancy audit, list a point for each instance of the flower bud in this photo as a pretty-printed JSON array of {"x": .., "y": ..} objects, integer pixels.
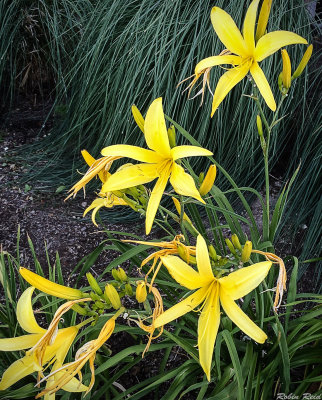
[
  {"x": 141, "y": 293},
  {"x": 209, "y": 180},
  {"x": 286, "y": 73},
  {"x": 116, "y": 275},
  {"x": 93, "y": 284},
  {"x": 172, "y": 136},
  {"x": 113, "y": 296},
  {"x": 201, "y": 177},
  {"x": 212, "y": 252},
  {"x": 80, "y": 310},
  {"x": 138, "y": 118},
  {"x": 128, "y": 290},
  {"x": 94, "y": 296},
  {"x": 230, "y": 246},
  {"x": 303, "y": 62},
  {"x": 236, "y": 241},
  {"x": 247, "y": 250},
  {"x": 122, "y": 274}
]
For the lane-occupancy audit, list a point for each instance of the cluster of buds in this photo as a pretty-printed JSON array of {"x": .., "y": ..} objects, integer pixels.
[
  {"x": 239, "y": 252},
  {"x": 107, "y": 298},
  {"x": 285, "y": 78}
]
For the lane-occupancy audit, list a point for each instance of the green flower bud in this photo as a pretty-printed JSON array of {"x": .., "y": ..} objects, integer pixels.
[
  {"x": 93, "y": 283},
  {"x": 113, "y": 296},
  {"x": 212, "y": 252},
  {"x": 247, "y": 250},
  {"x": 172, "y": 136},
  {"x": 236, "y": 242},
  {"x": 122, "y": 274},
  {"x": 128, "y": 289},
  {"x": 116, "y": 275},
  {"x": 80, "y": 310},
  {"x": 230, "y": 246}
]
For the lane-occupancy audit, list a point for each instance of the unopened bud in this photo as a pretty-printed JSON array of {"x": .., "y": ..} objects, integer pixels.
[
  {"x": 286, "y": 74},
  {"x": 116, "y": 275},
  {"x": 128, "y": 289},
  {"x": 138, "y": 118},
  {"x": 236, "y": 242},
  {"x": 183, "y": 252},
  {"x": 94, "y": 296},
  {"x": 303, "y": 62},
  {"x": 99, "y": 304},
  {"x": 93, "y": 283},
  {"x": 209, "y": 180},
  {"x": 141, "y": 293},
  {"x": 122, "y": 274},
  {"x": 230, "y": 246},
  {"x": 201, "y": 177},
  {"x": 212, "y": 252},
  {"x": 247, "y": 250},
  {"x": 80, "y": 310},
  {"x": 172, "y": 136},
  {"x": 113, "y": 296}
]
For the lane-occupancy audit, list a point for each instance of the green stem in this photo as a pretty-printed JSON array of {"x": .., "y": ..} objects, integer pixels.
[
  {"x": 266, "y": 157},
  {"x": 87, "y": 321}
]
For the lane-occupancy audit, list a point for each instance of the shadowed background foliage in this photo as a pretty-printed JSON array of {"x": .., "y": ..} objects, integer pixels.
[{"x": 94, "y": 59}]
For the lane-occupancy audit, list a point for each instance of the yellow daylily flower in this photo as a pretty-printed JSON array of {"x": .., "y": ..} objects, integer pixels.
[
  {"x": 45, "y": 346},
  {"x": 210, "y": 293},
  {"x": 159, "y": 163},
  {"x": 243, "y": 52},
  {"x": 174, "y": 247},
  {"x": 98, "y": 167},
  {"x": 63, "y": 375},
  {"x": 46, "y": 286}
]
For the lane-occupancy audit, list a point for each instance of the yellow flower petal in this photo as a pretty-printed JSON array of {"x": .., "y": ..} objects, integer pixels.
[
  {"x": 240, "y": 318},
  {"x": 131, "y": 176},
  {"x": 88, "y": 158},
  {"x": 20, "y": 342},
  {"x": 189, "y": 151},
  {"x": 135, "y": 152},
  {"x": 208, "y": 325},
  {"x": 155, "y": 199},
  {"x": 216, "y": 60},
  {"x": 25, "y": 313},
  {"x": 244, "y": 280},
  {"x": 227, "y": 82},
  {"x": 155, "y": 130},
  {"x": 49, "y": 287},
  {"x": 183, "y": 183},
  {"x": 178, "y": 208},
  {"x": 185, "y": 306},
  {"x": 138, "y": 117},
  {"x": 228, "y": 32},
  {"x": 263, "y": 18},
  {"x": 18, "y": 370},
  {"x": 273, "y": 41},
  {"x": 263, "y": 85},
  {"x": 182, "y": 272},
  {"x": 249, "y": 26},
  {"x": 203, "y": 261}
]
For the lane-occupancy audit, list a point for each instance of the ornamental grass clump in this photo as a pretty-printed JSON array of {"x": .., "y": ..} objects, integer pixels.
[{"x": 214, "y": 275}]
